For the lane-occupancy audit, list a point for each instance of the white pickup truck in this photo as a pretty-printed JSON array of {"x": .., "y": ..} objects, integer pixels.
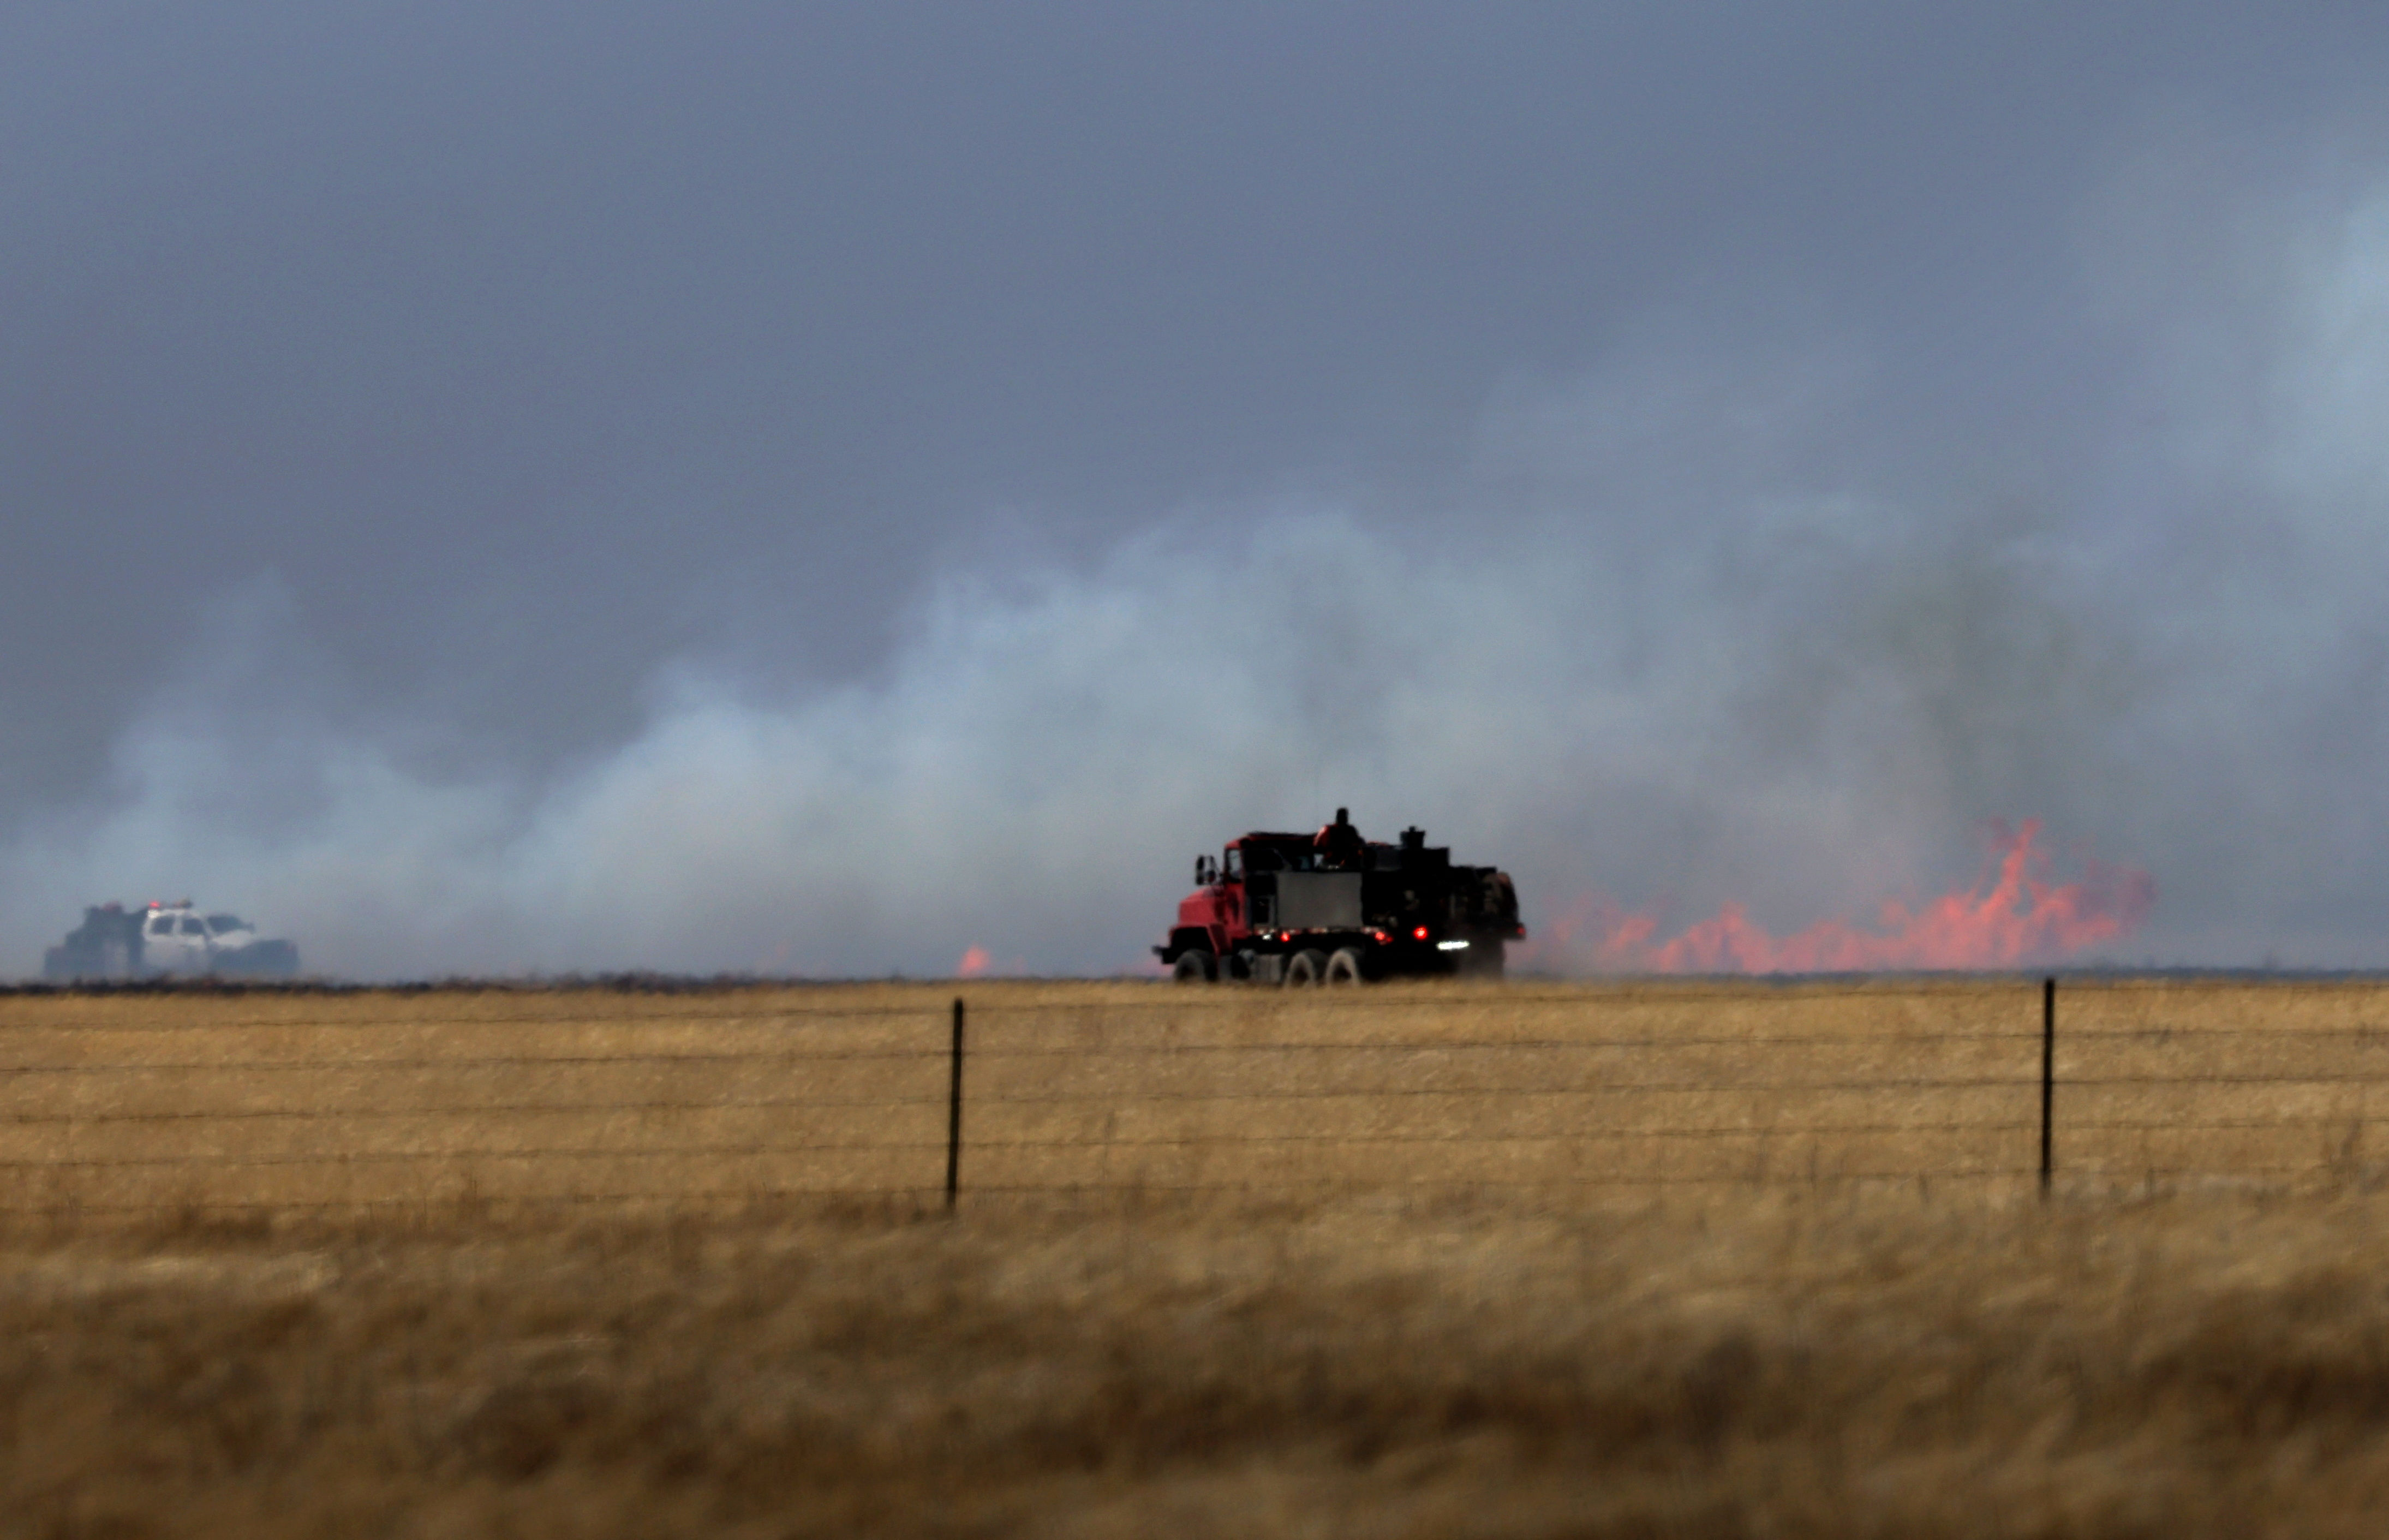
[{"x": 117, "y": 943}]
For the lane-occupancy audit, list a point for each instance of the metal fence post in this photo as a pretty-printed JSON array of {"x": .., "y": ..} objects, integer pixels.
[
  {"x": 2048, "y": 1079},
  {"x": 954, "y": 1116}
]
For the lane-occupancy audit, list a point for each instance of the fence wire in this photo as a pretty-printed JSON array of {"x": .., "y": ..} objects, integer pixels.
[{"x": 149, "y": 1102}]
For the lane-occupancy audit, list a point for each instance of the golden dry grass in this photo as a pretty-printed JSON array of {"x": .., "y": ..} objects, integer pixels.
[
  {"x": 1644, "y": 1259},
  {"x": 284, "y": 1100},
  {"x": 1751, "y": 1362}
]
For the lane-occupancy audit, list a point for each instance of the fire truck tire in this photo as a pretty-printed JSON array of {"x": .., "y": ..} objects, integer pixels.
[
  {"x": 1194, "y": 967},
  {"x": 1344, "y": 968},
  {"x": 1305, "y": 969}
]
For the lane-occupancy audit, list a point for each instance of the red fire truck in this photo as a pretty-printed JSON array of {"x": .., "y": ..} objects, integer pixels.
[{"x": 1332, "y": 908}]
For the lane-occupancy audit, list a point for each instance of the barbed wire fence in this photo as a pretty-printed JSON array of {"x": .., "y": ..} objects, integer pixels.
[{"x": 2100, "y": 1086}]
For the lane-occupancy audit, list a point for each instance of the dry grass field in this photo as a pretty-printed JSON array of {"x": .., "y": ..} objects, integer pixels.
[
  {"x": 1751, "y": 1362},
  {"x": 301, "y": 1100},
  {"x": 1688, "y": 1259}
]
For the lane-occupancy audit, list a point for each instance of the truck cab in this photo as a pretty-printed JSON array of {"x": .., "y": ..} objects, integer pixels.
[{"x": 174, "y": 939}]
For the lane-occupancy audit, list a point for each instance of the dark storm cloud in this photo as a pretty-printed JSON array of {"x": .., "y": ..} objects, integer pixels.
[{"x": 586, "y": 486}]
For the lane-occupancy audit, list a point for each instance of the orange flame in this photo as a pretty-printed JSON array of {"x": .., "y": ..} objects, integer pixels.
[
  {"x": 974, "y": 963},
  {"x": 2011, "y": 916}
]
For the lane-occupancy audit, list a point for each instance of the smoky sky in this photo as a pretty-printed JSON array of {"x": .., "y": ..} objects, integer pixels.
[{"x": 515, "y": 488}]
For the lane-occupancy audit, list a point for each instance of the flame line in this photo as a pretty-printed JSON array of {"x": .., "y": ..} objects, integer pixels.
[{"x": 2013, "y": 915}]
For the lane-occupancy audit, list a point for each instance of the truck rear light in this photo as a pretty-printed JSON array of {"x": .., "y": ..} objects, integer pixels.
[
  {"x": 1452, "y": 947},
  {"x": 1419, "y": 935}
]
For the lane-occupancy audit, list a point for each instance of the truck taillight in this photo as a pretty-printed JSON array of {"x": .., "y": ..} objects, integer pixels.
[{"x": 1419, "y": 935}]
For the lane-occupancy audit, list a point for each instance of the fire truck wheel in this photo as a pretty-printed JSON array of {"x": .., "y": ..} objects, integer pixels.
[
  {"x": 1344, "y": 968},
  {"x": 1194, "y": 967},
  {"x": 1306, "y": 968}
]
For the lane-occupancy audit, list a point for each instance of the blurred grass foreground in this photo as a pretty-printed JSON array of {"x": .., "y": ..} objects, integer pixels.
[
  {"x": 1632, "y": 1260},
  {"x": 1764, "y": 1361}
]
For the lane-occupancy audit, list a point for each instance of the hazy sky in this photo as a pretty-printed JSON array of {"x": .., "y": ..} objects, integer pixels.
[{"x": 805, "y": 487}]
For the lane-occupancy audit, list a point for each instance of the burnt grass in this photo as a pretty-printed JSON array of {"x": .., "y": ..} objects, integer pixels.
[{"x": 1755, "y": 1363}]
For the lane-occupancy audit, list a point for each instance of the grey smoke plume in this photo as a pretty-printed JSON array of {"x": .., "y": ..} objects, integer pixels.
[{"x": 1721, "y": 619}]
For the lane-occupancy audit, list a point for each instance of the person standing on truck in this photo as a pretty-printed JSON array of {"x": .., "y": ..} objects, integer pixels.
[{"x": 1339, "y": 845}]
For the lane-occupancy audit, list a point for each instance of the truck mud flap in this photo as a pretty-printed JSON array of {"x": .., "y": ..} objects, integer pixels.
[{"x": 1268, "y": 968}]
